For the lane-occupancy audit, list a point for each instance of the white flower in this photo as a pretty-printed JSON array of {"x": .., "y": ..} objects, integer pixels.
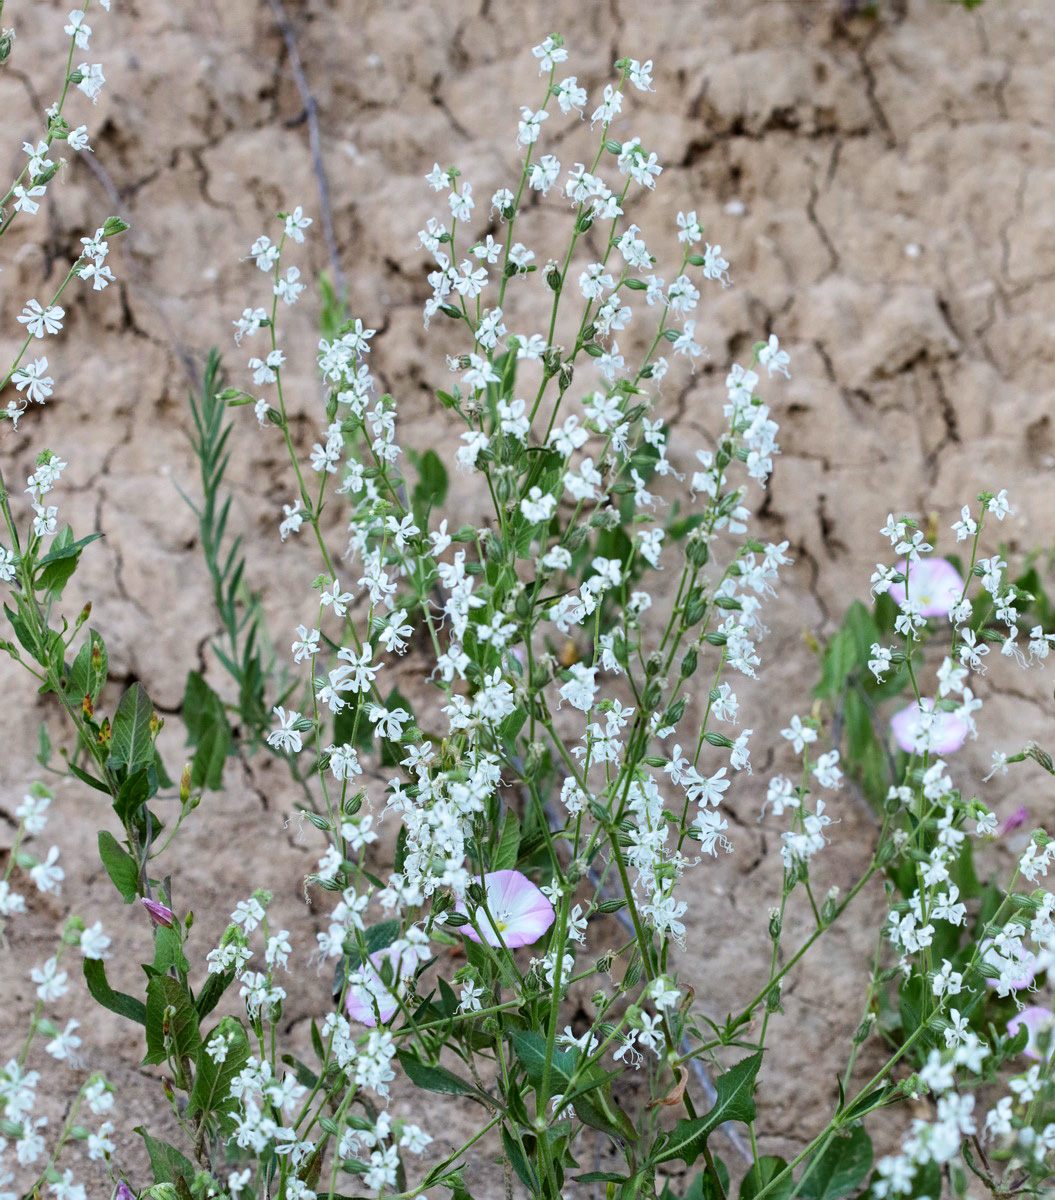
[{"x": 94, "y": 943}]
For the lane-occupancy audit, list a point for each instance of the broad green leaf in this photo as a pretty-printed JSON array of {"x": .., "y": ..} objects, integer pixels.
[
  {"x": 207, "y": 730},
  {"x": 434, "y": 1078},
  {"x": 212, "y": 1081},
  {"x": 117, "y": 1002},
  {"x": 762, "y": 1173},
  {"x": 168, "y": 951},
  {"x": 591, "y": 1092},
  {"x": 132, "y": 741},
  {"x": 841, "y": 1168},
  {"x": 120, "y": 866},
  {"x": 133, "y": 794},
  {"x": 89, "y": 670},
  {"x": 167, "y": 1163},
  {"x": 735, "y": 1102},
  {"x": 213, "y": 988},
  {"x": 58, "y": 565},
  {"x": 505, "y": 857},
  {"x": 163, "y": 993},
  {"x": 431, "y": 489}
]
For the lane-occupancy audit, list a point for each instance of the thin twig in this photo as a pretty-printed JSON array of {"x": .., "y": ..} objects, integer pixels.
[{"x": 311, "y": 112}]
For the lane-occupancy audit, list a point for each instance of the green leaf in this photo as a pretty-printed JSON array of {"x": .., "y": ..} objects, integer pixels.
[
  {"x": 90, "y": 780},
  {"x": 89, "y": 670},
  {"x": 120, "y": 866},
  {"x": 735, "y": 1102},
  {"x": 213, "y": 988},
  {"x": 505, "y": 857},
  {"x": 762, "y": 1173},
  {"x": 132, "y": 741},
  {"x": 703, "y": 1186},
  {"x": 55, "y": 568},
  {"x": 163, "y": 993},
  {"x": 592, "y": 1105},
  {"x": 207, "y": 730},
  {"x": 168, "y": 951},
  {"x": 117, "y": 1002},
  {"x": 133, "y": 794},
  {"x": 431, "y": 489},
  {"x": 434, "y": 1078},
  {"x": 517, "y": 1160},
  {"x": 212, "y": 1081},
  {"x": 167, "y": 1163},
  {"x": 840, "y": 1168}
]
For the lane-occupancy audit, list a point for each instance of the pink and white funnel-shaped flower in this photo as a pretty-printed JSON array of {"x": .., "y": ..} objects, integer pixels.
[
  {"x": 369, "y": 996},
  {"x": 1039, "y": 1022},
  {"x": 520, "y": 911},
  {"x": 921, "y": 729},
  {"x": 932, "y": 582}
]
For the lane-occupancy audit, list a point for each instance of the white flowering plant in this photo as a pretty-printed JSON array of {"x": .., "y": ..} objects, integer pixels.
[{"x": 557, "y": 785}]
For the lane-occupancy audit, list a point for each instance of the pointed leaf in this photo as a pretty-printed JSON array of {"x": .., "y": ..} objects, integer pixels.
[
  {"x": 164, "y": 993},
  {"x": 212, "y": 1081},
  {"x": 762, "y": 1174},
  {"x": 167, "y": 1163},
  {"x": 120, "y": 866},
  {"x": 735, "y": 1102},
  {"x": 118, "y": 1002},
  {"x": 132, "y": 742},
  {"x": 840, "y": 1168},
  {"x": 434, "y": 1078},
  {"x": 89, "y": 670}
]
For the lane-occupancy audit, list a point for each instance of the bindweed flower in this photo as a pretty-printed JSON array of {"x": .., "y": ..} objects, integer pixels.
[
  {"x": 1012, "y": 822},
  {"x": 933, "y": 583},
  {"x": 1040, "y": 1023},
  {"x": 375, "y": 987},
  {"x": 918, "y": 728},
  {"x": 159, "y": 913},
  {"x": 521, "y": 913}
]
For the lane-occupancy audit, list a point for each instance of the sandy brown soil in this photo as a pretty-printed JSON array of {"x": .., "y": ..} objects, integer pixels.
[{"x": 882, "y": 189}]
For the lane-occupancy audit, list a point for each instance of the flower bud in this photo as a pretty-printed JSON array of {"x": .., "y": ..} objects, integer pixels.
[
  {"x": 864, "y": 1029},
  {"x": 552, "y": 276},
  {"x": 160, "y": 914}
]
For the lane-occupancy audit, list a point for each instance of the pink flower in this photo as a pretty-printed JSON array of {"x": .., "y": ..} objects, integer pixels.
[
  {"x": 1017, "y": 965},
  {"x": 520, "y": 911},
  {"x": 160, "y": 914},
  {"x": 369, "y": 996},
  {"x": 1038, "y": 1021},
  {"x": 919, "y": 728},
  {"x": 933, "y": 582},
  {"x": 1009, "y": 824}
]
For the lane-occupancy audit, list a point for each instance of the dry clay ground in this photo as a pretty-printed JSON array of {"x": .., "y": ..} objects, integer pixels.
[{"x": 882, "y": 189}]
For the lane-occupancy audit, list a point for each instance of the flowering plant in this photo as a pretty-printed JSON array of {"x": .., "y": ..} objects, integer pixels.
[{"x": 560, "y": 787}]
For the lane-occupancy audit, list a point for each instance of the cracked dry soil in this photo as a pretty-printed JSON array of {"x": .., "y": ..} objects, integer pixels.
[{"x": 882, "y": 189}]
